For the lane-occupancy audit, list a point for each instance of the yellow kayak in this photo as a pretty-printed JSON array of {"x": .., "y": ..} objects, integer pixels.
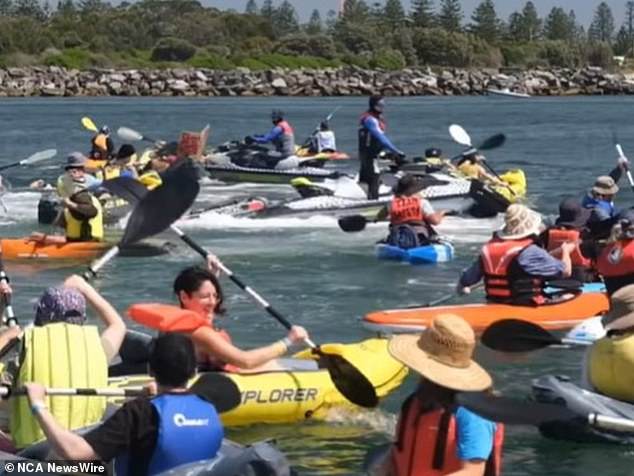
[
  {"x": 516, "y": 180},
  {"x": 303, "y": 391}
]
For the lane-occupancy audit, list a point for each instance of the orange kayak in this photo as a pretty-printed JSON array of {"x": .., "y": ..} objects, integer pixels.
[
  {"x": 19, "y": 248},
  {"x": 560, "y": 316}
]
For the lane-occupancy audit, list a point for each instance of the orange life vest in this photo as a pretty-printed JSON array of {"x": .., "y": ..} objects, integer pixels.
[
  {"x": 504, "y": 279},
  {"x": 427, "y": 443},
  {"x": 210, "y": 362},
  {"x": 616, "y": 265},
  {"x": 406, "y": 210},
  {"x": 558, "y": 236}
]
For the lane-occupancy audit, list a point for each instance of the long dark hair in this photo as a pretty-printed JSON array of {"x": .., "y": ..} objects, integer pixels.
[{"x": 191, "y": 279}]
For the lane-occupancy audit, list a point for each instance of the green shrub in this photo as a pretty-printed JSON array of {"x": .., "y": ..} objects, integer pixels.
[
  {"x": 435, "y": 46},
  {"x": 387, "y": 58},
  {"x": 600, "y": 54},
  {"x": 211, "y": 61},
  {"x": 76, "y": 58},
  {"x": 302, "y": 44},
  {"x": 173, "y": 49}
]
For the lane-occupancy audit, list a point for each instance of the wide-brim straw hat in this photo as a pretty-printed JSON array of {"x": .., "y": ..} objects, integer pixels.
[
  {"x": 605, "y": 185},
  {"x": 520, "y": 222},
  {"x": 442, "y": 354}
]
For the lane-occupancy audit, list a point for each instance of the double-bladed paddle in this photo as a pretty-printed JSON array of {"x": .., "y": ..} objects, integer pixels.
[
  {"x": 522, "y": 412},
  {"x": 89, "y": 124},
  {"x": 32, "y": 159},
  {"x": 628, "y": 172},
  {"x": 128, "y": 134},
  {"x": 156, "y": 210},
  {"x": 350, "y": 382},
  {"x": 356, "y": 223}
]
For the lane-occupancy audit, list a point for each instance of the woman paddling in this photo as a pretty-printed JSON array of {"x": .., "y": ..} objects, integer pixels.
[{"x": 199, "y": 290}]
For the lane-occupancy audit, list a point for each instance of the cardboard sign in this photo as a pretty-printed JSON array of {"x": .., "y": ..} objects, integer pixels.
[{"x": 193, "y": 144}]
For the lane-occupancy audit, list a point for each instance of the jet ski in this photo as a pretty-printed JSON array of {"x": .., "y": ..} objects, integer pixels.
[{"x": 560, "y": 390}]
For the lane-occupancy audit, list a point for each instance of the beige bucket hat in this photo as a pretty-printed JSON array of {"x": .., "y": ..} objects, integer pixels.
[{"x": 520, "y": 222}]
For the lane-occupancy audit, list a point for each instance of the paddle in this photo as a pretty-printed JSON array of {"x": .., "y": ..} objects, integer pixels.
[
  {"x": 515, "y": 335},
  {"x": 157, "y": 210},
  {"x": 445, "y": 298},
  {"x": 317, "y": 127},
  {"x": 88, "y": 124},
  {"x": 350, "y": 382},
  {"x": 628, "y": 172},
  {"x": 32, "y": 159},
  {"x": 355, "y": 223},
  {"x": 522, "y": 412},
  {"x": 131, "y": 135},
  {"x": 216, "y": 388}
]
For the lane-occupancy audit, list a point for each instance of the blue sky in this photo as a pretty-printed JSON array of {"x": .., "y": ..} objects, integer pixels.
[{"x": 583, "y": 8}]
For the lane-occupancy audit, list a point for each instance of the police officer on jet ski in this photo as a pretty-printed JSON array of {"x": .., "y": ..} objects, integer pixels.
[
  {"x": 372, "y": 140},
  {"x": 282, "y": 137}
]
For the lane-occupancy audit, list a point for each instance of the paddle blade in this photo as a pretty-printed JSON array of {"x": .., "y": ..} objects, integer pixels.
[
  {"x": 164, "y": 205},
  {"x": 459, "y": 135},
  {"x": 39, "y": 156},
  {"x": 88, "y": 124},
  {"x": 352, "y": 223},
  {"x": 127, "y": 188},
  {"x": 166, "y": 317},
  {"x": 128, "y": 134},
  {"x": 349, "y": 380},
  {"x": 493, "y": 142},
  {"x": 515, "y": 335},
  {"x": 513, "y": 412},
  {"x": 218, "y": 390}
]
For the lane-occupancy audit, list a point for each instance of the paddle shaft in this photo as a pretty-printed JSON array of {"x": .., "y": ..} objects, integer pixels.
[
  {"x": 7, "y": 392},
  {"x": 447, "y": 297},
  {"x": 260, "y": 300}
]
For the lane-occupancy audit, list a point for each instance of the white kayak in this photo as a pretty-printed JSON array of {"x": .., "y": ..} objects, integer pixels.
[{"x": 507, "y": 92}]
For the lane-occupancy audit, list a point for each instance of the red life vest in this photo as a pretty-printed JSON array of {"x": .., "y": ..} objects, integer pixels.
[
  {"x": 504, "y": 280},
  {"x": 378, "y": 117},
  {"x": 558, "y": 236},
  {"x": 286, "y": 128},
  {"x": 616, "y": 265},
  {"x": 427, "y": 443},
  {"x": 406, "y": 210}
]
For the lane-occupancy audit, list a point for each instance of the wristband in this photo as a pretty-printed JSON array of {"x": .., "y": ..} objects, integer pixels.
[
  {"x": 37, "y": 407},
  {"x": 287, "y": 342}
]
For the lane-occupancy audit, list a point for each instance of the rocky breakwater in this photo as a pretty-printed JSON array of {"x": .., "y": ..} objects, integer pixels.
[{"x": 57, "y": 81}]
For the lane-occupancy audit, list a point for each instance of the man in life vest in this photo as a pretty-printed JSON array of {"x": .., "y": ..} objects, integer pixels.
[
  {"x": 434, "y": 435},
  {"x": 102, "y": 146},
  {"x": 62, "y": 351},
  {"x": 616, "y": 261},
  {"x": 282, "y": 137},
  {"x": 514, "y": 267},
  {"x": 145, "y": 436},
  {"x": 411, "y": 217},
  {"x": 609, "y": 363},
  {"x": 120, "y": 165},
  {"x": 372, "y": 141},
  {"x": 75, "y": 177},
  {"x": 570, "y": 226}
]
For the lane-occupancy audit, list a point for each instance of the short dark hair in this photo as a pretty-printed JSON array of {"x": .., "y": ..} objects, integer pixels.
[
  {"x": 173, "y": 360},
  {"x": 191, "y": 279}
]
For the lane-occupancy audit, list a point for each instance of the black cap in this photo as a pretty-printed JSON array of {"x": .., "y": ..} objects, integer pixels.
[{"x": 433, "y": 152}]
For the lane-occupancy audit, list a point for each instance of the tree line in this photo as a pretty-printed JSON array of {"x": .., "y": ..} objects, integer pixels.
[{"x": 151, "y": 33}]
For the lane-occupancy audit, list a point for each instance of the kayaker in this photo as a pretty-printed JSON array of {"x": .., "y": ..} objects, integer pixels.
[
  {"x": 199, "y": 290},
  {"x": 75, "y": 353},
  {"x": 430, "y": 418},
  {"x": 571, "y": 226},
  {"x": 615, "y": 263},
  {"x": 472, "y": 166},
  {"x": 372, "y": 141},
  {"x": 609, "y": 363},
  {"x": 146, "y": 436},
  {"x": 282, "y": 137},
  {"x": 102, "y": 146},
  {"x": 120, "y": 164},
  {"x": 514, "y": 267},
  {"x": 411, "y": 217},
  {"x": 324, "y": 139},
  {"x": 75, "y": 177},
  {"x": 82, "y": 221}
]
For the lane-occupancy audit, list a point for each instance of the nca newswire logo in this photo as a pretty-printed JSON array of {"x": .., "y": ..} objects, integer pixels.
[{"x": 54, "y": 467}]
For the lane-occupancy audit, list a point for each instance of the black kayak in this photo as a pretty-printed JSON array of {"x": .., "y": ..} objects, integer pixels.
[{"x": 560, "y": 390}]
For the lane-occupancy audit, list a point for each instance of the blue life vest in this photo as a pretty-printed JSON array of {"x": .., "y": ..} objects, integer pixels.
[
  {"x": 603, "y": 207},
  {"x": 189, "y": 431}
]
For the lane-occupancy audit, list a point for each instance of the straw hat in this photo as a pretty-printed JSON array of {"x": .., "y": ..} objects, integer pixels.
[
  {"x": 520, "y": 222},
  {"x": 621, "y": 313},
  {"x": 442, "y": 354},
  {"x": 605, "y": 185}
]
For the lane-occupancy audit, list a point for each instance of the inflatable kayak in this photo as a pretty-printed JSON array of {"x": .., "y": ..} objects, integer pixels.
[
  {"x": 560, "y": 390},
  {"x": 557, "y": 316},
  {"x": 21, "y": 249},
  {"x": 49, "y": 207},
  {"x": 261, "y": 459},
  {"x": 302, "y": 390},
  {"x": 435, "y": 253}
]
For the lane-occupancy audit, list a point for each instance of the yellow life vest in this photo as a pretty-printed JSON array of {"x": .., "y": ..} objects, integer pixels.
[
  {"x": 60, "y": 355},
  {"x": 66, "y": 186},
  {"x": 611, "y": 366},
  {"x": 108, "y": 172},
  {"x": 470, "y": 170},
  {"x": 151, "y": 179},
  {"x": 74, "y": 227}
]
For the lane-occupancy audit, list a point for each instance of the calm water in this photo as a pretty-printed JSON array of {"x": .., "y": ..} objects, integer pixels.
[{"x": 322, "y": 278}]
